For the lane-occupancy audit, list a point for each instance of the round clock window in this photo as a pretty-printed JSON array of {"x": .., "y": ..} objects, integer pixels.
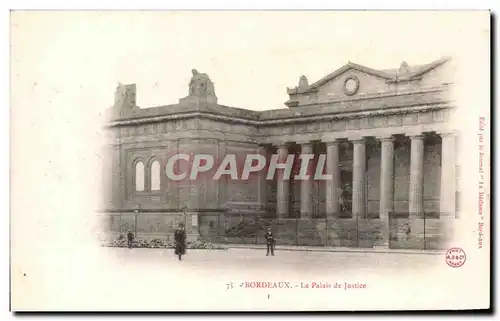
[{"x": 351, "y": 86}]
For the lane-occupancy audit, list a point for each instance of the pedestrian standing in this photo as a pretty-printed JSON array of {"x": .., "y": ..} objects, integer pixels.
[
  {"x": 270, "y": 241},
  {"x": 180, "y": 241},
  {"x": 130, "y": 239}
]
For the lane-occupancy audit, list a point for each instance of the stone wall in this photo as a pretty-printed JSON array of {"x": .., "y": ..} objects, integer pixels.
[
  {"x": 160, "y": 224},
  {"x": 431, "y": 233},
  {"x": 242, "y": 195},
  {"x": 147, "y": 143},
  {"x": 143, "y": 225}
]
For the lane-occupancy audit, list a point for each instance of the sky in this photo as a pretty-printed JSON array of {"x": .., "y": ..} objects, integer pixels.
[{"x": 250, "y": 56}]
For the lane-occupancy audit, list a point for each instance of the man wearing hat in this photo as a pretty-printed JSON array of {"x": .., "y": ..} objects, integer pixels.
[
  {"x": 270, "y": 241},
  {"x": 180, "y": 241},
  {"x": 130, "y": 239}
]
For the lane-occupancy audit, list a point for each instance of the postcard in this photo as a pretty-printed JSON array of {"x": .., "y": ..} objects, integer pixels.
[{"x": 250, "y": 160}]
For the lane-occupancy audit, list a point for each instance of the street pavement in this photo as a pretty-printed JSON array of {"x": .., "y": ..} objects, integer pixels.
[
  {"x": 255, "y": 260},
  {"x": 154, "y": 279}
]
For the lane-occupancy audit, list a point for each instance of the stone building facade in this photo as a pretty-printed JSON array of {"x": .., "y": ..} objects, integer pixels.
[{"x": 385, "y": 133}]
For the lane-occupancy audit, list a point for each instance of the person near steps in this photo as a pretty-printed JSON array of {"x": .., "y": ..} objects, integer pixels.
[
  {"x": 180, "y": 241},
  {"x": 130, "y": 239},
  {"x": 270, "y": 241}
]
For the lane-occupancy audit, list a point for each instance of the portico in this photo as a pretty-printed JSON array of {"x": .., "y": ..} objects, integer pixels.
[
  {"x": 386, "y": 154},
  {"x": 415, "y": 203}
]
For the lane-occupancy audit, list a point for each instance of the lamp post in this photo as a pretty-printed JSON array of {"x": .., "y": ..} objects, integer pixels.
[
  {"x": 184, "y": 210},
  {"x": 137, "y": 210}
]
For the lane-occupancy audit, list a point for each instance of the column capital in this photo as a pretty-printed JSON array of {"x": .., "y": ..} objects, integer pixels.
[
  {"x": 357, "y": 140},
  {"x": 281, "y": 144},
  {"x": 416, "y": 136},
  {"x": 386, "y": 139},
  {"x": 329, "y": 139},
  {"x": 304, "y": 142},
  {"x": 330, "y": 142},
  {"x": 447, "y": 133}
]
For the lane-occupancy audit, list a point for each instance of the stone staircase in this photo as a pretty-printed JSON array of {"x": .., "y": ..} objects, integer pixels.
[{"x": 247, "y": 228}]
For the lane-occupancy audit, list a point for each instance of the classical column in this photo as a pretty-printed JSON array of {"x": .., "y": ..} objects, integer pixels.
[
  {"x": 448, "y": 179},
  {"x": 386, "y": 185},
  {"x": 283, "y": 186},
  {"x": 306, "y": 208},
  {"x": 262, "y": 184},
  {"x": 358, "y": 178},
  {"x": 416, "y": 176},
  {"x": 332, "y": 186}
]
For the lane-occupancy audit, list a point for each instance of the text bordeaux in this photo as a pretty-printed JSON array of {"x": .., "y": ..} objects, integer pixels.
[{"x": 304, "y": 285}]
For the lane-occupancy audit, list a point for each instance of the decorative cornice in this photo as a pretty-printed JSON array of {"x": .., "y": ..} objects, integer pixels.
[
  {"x": 175, "y": 112},
  {"x": 403, "y": 79},
  {"x": 334, "y": 115},
  {"x": 292, "y": 103},
  {"x": 160, "y": 210},
  {"x": 370, "y": 96}
]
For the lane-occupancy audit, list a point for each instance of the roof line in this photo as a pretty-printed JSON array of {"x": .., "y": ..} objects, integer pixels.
[
  {"x": 349, "y": 65},
  {"x": 371, "y": 71},
  {"x": 430, "y": 66}
]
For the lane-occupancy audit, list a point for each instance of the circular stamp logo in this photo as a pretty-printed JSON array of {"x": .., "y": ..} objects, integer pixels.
[{"x": 455, "y": 257}]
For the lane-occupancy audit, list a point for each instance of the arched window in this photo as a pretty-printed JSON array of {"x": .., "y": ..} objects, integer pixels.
[
  {"x": 139, "y": 177},
  {"x": 155, "y": 176}
]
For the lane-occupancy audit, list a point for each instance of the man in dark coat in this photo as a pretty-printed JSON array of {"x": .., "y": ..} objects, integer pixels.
[
  {"x": 180, "y": 241},
  {"x": 130, "y": 239},
  {"x": 270, "y": 241}
]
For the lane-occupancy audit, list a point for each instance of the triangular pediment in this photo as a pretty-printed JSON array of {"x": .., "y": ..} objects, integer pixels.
[
  {"x": 350, "y": 67},
  {"x": 348, "y": 80},
  {"x": 353, "y": 80}
]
